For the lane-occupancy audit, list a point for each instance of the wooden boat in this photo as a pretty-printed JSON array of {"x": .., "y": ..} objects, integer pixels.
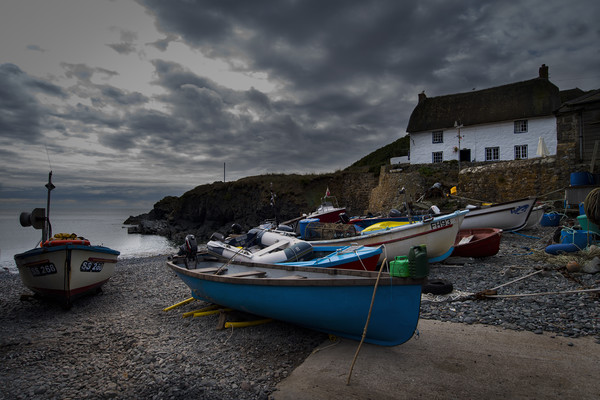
[
  {"x": 508, "y": 216},
  {"x": 329, "y": 300},
  {"x": 261, "y": 245},
  {"x": 64, "y": 266},
  {"x": 437, "y": 233},
  {"x": 478, "y": 242}
]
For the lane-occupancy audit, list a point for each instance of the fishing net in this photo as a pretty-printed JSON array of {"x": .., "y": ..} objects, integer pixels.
[{"x": 591, "y": 206}]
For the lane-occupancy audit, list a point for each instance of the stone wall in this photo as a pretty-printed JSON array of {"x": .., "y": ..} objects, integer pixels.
[
  {"x": 541, "y": 177},
  {"x": 545, "y": 178}
]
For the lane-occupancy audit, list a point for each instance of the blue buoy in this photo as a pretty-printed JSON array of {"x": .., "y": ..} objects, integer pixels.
[{"x": 556, "y": 249}]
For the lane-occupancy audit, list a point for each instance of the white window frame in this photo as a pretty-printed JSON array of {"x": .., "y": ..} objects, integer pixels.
[
  {"x": 492, "y": 154},
  {"x": 521, "y": 152},
  {"x": 521, "y": 126},
  {"x": 437, "y": 137},
  {"x": 437, "y": 157}
]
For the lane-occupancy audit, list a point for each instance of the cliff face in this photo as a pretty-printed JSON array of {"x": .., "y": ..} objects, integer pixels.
[
  {"x": 247, "y": 202},
  {"x": 215, "y": 207}
]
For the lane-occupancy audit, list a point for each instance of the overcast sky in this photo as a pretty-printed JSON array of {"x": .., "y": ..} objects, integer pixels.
[{"x": 130, "y": 101}]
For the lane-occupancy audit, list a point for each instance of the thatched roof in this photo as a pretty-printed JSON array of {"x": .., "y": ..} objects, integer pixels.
[
  {"x": 528, "y": 99},
  {"x": 581, "y": 102}
]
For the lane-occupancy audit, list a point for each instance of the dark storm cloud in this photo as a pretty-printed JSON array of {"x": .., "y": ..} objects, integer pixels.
[
  {"x": 21, "y": 114},
  {"x": 350, "y": 71}
]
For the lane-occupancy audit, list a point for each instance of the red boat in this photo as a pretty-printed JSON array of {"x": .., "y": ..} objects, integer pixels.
[
  {"x": 329, "y": 211},
  {"x": 477, "y": 242}
]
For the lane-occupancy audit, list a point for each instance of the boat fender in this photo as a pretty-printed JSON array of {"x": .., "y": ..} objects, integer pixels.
[{"x": 556, "y": 249}]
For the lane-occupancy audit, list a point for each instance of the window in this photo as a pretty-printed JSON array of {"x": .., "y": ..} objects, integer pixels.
[
  {"x": 437, "y": 157},
  {"x": 521, "y": 126},
  {"x": 492, "y": 153},
  {"x": 437, "y": 137},
  {"x": 521, "y": 152}
]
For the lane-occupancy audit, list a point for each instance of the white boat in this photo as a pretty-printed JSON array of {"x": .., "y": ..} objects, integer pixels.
[
  {"x": 535, "y": 217},
  {"x": 508, "y": 216},
  {"x": 62, "y": 266},
  {"x": 437, "y": 233}
]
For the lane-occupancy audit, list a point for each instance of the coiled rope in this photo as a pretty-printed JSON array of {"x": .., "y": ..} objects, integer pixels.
[{"x": 591, "y": 206}]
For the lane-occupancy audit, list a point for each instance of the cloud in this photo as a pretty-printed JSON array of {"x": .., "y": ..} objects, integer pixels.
[
  {"x": 21, "y": 113},
  {"x": 161, "y": 104},
  {"x": 35, "y": 48}
]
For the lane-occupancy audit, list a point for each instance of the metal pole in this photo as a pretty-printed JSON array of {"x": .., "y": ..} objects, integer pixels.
[{"x": 47, "y": 224}]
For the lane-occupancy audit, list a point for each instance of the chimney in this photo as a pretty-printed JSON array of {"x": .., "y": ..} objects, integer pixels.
[
  {"x": 544, "y": 72},
  {"x": 422, "y": 97}
]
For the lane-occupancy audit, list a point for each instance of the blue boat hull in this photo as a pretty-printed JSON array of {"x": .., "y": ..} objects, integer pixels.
[{"x": 337, "y": 307}]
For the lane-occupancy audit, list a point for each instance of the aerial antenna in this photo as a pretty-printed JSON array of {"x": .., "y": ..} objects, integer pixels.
[{"x": 48, "y": 154}]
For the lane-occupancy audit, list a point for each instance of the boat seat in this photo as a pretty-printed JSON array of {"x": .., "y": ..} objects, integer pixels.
[
  {"x": 207, "y": 270},
  {"x": 293, "y": 277},
  {"x": 258, "y": 274}
]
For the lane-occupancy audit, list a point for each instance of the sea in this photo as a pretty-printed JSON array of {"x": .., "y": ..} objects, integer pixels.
[{"x": 101, "y": 227}]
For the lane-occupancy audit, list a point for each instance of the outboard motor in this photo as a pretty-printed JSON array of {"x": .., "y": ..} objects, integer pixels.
[
  {"x": 189, "y": 249},
  {"x": 236, "y": 229},
  {"x": 394, "y": 213},
  {"x": 344, "y": 219}
]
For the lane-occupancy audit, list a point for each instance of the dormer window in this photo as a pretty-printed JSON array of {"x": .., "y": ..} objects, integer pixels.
[
  {"x": 521, "y": 126},
  {"x": 437, "y": 137}
]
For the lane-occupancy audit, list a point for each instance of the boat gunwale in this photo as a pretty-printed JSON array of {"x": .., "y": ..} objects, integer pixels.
[
  {"x": 330, "y": 276},
  {"x": 401, "y": 228},
  {"x": 56, "y": 249}
]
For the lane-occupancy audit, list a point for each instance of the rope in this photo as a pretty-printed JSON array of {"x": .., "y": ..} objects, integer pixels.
[
  {"x": 544, "y": 293},
  {"x": 591, "y": 206},
  {"x": 527, "y": 236},
  {"x": 367, "y": 323}
]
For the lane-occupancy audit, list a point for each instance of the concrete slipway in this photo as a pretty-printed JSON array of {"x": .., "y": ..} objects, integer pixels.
[{"x": 451, "y": 361}]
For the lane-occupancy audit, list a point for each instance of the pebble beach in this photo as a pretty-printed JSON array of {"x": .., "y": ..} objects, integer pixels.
[{"x": 121, "y": 343}]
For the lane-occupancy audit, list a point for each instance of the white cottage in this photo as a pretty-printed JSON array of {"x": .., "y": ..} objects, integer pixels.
[{"x": 509, "y": 122}]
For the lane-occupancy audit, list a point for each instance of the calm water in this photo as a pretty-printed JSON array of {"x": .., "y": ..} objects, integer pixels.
[{"x": 100, "y": 227}]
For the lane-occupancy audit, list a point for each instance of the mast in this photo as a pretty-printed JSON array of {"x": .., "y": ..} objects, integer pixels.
[{"x": 47, "y": 225}]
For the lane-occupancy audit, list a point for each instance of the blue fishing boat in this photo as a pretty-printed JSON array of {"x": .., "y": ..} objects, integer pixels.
[
  {"x": 330, "y": 300},
  {"x": 362, "y": 258}
]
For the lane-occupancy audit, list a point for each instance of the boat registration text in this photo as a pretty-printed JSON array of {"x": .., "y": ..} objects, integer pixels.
[{"x": 441, "y": 224}]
